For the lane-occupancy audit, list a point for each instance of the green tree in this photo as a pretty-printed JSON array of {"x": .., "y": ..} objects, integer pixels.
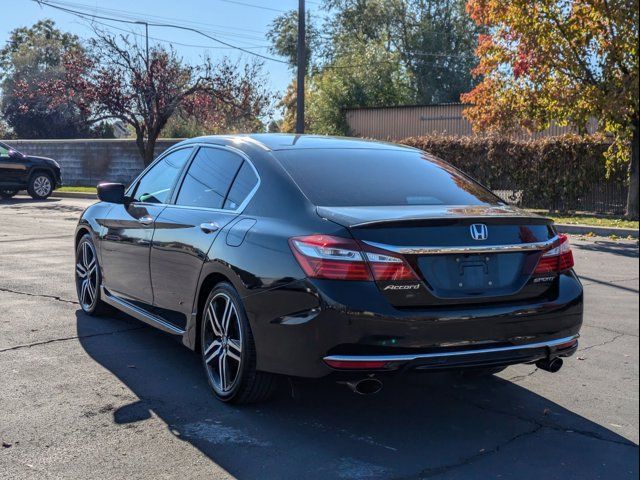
[
  {"x": 560, "y": 60},
  {"x": 378, "y": 53},
  {"x": 349, "y": 82},
  {"x": 31, "y": 56},
  {"x": 283, "y": 35},
  {"x": 434, "y": 41}
]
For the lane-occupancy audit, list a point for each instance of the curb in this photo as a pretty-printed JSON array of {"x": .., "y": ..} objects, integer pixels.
[
  {"x": 599, "y": 231},
  {"x": 91, "y": 196}
]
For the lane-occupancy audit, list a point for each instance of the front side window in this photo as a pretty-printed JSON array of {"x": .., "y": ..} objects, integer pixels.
[
  {"x": 155, "y": 186},
  {"x": 4, "y": 150},
  {"x": 209, "y": 178}
]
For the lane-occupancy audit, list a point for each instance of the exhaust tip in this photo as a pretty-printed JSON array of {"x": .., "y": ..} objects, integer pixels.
[
  {"x": 366, "y": 386},
  {"x": 550, "y": 365}
]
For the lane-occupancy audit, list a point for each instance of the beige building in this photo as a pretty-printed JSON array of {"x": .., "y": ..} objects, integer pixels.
[{"x": 396, "y": 123}]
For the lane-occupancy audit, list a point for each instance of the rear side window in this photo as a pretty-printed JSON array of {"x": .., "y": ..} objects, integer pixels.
[
  {"x": 362, "y": 177},
  {"x": 155, "y": 186},
  {"x": 245, "y": 182},
  {"x": 209, "y": 178}
]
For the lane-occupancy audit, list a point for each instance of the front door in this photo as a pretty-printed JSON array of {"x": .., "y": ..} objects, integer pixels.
[
  {"x": 128, "y": 230},
  {"x": 210, "y": 196}
]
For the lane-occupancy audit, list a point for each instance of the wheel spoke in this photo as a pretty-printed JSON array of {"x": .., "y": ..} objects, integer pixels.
[
  {"x": 83, "y": 291},
  {"x": 222, "y": 367},
  {"x": 90, "y": 291},
  {"x": 85, "y": 255},
  {"x": 233, "y": 355},
  {"x": 81, "y": 271},
  {"x": 91, "y": 268},
  {"x": 229, "y": 311},
  {"x": 225, "y": 315},
  {"x": 216, "y": 346},
  {"x": 213, "y": 320},
  {"x": 235, "y": 347}
]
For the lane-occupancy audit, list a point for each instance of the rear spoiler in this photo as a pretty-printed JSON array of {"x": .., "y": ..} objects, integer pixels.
[{"x": 363, "y": 217}]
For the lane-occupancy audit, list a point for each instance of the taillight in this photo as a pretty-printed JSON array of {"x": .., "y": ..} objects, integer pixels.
[
  {"x": 336, "y": 258},
  {"x": 558, "y": 259},
  {"x": 389, "y": 268}
]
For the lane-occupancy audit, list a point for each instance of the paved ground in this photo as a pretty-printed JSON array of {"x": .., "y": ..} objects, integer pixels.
[{"x": 111, "y": 398}]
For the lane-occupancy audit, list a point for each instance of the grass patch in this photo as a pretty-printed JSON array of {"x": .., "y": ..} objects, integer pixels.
[
  {"x": 77, "y": 189},
  {"x": 592, "y": 220}
]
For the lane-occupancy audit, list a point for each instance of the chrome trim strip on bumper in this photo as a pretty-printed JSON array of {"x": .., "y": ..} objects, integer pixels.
[
  {"x": 521, "y": 247},
  {"x": 408, "y": 358},
  {"x": 139, "y": 313}
]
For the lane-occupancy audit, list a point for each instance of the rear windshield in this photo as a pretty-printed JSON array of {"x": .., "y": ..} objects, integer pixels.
[{"x": 359, "y": 177}]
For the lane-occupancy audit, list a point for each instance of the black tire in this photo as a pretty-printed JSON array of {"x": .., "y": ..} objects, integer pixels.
[
  {"x": 248, "y": 385},
  {"x": 89, "y": 299},
  {"x": 8, "y": 193},
  {"x": 40, "y": 186},
  {"x": 481, "y": 371}
]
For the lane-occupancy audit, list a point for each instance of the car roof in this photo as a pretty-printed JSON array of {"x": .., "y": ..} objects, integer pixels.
[{"x": 290, "y": 141}]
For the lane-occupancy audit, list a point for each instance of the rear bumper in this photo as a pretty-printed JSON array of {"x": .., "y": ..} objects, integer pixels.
[
  {"x": 476, "y": 357},
  {"x": 297, "y": 327}
]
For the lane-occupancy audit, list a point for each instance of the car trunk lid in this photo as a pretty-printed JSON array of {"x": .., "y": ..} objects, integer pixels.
[{"x": 461, "y": 254}]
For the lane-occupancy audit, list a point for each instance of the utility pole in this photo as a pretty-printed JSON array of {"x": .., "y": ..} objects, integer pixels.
[
  {"x": 301, "y": 64},
  {"x": 146, "y": 39}
]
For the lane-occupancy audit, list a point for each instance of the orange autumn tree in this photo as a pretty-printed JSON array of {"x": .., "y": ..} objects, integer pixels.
[{"x": 565, "y": 61}]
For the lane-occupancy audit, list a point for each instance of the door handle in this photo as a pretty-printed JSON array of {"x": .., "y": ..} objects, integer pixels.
[
  {"x": 209, "y": 227},
  {"x": 146, "y": 220}
]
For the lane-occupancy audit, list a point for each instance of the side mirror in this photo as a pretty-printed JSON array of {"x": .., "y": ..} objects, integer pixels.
[
  {"x": 15, "y": 154},
  {"x": 111, "y": 192}
]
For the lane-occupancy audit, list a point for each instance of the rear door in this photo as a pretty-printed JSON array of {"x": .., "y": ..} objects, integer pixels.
[{"x": 212, "y": 193}]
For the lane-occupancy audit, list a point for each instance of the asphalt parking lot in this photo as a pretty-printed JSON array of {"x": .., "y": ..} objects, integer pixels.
[{"x": 82, "y": 397}]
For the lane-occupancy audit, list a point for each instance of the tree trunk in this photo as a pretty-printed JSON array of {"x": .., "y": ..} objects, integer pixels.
[
  {"x": 146, "y": 148},
  {"x": 632, "y": 198},
  {"x": 150, "y": 149},
  {"x": 142, "y": 148}
]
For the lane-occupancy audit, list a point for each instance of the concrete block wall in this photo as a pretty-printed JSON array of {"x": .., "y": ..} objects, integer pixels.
[{"x": 88, "y": 162}]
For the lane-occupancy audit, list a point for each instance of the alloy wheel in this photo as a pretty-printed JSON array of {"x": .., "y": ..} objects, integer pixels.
[
  {"x": 42, "y": 185},
  {"x": 86, "y": 275},
  {"x": 222, "y": 343}
]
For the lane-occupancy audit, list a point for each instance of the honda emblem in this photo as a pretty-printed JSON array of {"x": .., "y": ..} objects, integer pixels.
[{"x": 479, "y": 231}]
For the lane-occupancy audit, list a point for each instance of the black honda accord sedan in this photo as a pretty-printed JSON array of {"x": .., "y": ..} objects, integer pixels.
[{"x": 314, "y": 256}]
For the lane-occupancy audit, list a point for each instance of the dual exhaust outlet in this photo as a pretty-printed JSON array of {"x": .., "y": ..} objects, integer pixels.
[
  {"x": 365, "y": 386},
  {"x": 371, "y": 385}
]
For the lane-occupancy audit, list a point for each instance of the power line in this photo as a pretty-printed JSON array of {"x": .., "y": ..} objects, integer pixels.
[
  {"x": 172, "y": 42},
  {"x": 132, "y": 15},
  {"x": 162, "y": 25},
  {"x": 262, "y": 7},
  {"x": 252, "y": 5},
  {"x": 132, "y": 20}
]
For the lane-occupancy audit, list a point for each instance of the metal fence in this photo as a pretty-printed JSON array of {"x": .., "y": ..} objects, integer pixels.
[
  {"x": 397, "y": 123},
  {"x": 604, "y": 197}
]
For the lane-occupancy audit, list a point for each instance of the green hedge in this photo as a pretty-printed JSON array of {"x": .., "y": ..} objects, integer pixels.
[{"x": 565, "y": 173}]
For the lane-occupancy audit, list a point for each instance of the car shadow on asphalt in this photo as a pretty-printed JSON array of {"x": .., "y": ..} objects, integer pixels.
[
  {"x": 417, "y": 427},
  {"x": 625, "y": 249},
  {"x": 28, "y": 200}
]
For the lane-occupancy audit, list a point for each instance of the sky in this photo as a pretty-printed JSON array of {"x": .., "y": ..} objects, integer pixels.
[{"x": 241, "y": 23}]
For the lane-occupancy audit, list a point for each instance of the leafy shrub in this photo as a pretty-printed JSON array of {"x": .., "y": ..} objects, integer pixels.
[{"x": 561, "y": 173}]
